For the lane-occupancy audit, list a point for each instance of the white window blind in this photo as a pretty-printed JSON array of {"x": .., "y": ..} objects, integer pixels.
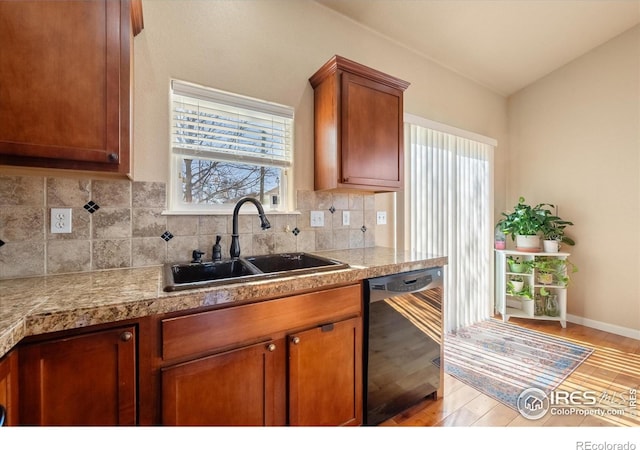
[
  {"x": 208, "y": 123},
  {"x": 226, "y": 146},
  {"x": 451, "y": 207}
]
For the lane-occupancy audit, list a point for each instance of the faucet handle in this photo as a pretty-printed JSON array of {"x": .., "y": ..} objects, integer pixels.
[
  {"x": 216, "y": 254},
  {"x": 196, "y": 256}
]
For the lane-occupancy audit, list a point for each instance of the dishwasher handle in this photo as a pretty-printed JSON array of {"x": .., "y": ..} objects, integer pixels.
[
  {"x": 409, "y": 285},
  {"x": 404, "y": 283}
]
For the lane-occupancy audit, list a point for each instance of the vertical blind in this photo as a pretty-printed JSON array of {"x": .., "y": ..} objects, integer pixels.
[{"x": 451, "y": 208}]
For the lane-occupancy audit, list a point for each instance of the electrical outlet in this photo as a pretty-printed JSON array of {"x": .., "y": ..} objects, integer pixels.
[
  {"x": 317, "y": 218},
  {"x": 381, "y": 217},
  {"x": 61, "y": 220},
  {"x": 346, "y": 217}
]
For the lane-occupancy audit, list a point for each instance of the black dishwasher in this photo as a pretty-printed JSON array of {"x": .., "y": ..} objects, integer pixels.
[{"x": 402, "y": 341}]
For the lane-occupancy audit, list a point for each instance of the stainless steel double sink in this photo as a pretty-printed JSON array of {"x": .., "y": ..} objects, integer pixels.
[{"x": 181, "y": 276}]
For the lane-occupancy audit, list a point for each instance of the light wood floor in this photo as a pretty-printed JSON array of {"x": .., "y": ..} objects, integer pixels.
[{"x": 611, "y": 371}]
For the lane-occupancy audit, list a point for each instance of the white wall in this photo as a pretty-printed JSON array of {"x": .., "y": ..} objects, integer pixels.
[
  {"x": 575, "y": 142},
  {"x": 269, "y": 49}
]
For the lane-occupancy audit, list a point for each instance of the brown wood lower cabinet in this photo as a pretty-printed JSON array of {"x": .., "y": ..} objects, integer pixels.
[
  {"x": 302, "y": 368},
  {"x": 86, "y": 379},
  {"x": 325, "y": 367},
  {"x": 9, "y": 389},
  {"x": 292, "y": 360},
  {"x": 239, "y": 387}
]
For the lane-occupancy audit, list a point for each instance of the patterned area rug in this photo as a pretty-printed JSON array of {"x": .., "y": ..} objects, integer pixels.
[{"x": 501, "y": 359}]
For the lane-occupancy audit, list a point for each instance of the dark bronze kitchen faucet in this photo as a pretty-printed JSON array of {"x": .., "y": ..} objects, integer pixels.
[{"x": 264, "y": 224}]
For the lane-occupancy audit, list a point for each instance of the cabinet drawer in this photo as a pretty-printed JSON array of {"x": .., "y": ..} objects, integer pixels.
[{"x": 198, "y": 333}]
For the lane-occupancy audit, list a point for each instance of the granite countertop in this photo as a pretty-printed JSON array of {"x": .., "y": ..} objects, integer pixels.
[{"x": 31, "y": 306}]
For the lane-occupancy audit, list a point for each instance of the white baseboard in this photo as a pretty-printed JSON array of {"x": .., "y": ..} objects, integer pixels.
[{"x": 609, "y": 328}]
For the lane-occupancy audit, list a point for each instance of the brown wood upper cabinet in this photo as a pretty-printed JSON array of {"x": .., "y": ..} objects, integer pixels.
[
  {"x": 358, "y": 117},
  {"x": 65, "y": 83}
]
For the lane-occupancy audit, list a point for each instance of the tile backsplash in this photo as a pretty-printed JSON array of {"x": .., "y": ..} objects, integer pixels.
[{"x": 120, "y": 223}]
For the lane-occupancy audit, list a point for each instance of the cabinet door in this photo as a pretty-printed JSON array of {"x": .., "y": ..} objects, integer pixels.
[
  {"x": 9, "y": 389},
  {"x": 239, "y": 387},
  {"x": 325, "y": 375},
  {"x": 89, "y": 379},
  {"x": 65, "y": 84},
  {"x": 372, "y": 133}
]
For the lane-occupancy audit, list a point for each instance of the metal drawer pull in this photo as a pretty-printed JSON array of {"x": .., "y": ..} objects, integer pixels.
[
  {"x": 327, "y": 327},
  {"x": 271, "y": 347},
  {"x": 295, "y": 340}
]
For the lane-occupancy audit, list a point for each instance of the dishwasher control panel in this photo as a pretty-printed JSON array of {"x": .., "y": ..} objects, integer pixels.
[{"x": 404, "y": 282}]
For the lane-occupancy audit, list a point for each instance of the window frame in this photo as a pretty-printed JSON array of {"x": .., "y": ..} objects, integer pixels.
[{"x": 255, "y": 108}]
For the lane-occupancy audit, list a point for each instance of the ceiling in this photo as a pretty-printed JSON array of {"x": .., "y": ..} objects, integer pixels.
[{"x": 502, "y": 44}]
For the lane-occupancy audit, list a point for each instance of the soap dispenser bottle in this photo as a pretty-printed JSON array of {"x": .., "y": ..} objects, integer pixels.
[{"x": 217, "y": 250}]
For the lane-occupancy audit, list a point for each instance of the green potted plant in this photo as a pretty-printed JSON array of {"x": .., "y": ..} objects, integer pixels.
[
  {"x": 552, "y": 270},
  {"x": 515, "y": 284},
  {"x": 519, "y": 265},
  {"x": 553, "y": 232},
  {"x": 518, "y": 288},
  {"x": 524, "y": 224}
]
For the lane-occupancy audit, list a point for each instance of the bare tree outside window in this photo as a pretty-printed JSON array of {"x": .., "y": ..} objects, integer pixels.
[{"x": 219, "y": 182}]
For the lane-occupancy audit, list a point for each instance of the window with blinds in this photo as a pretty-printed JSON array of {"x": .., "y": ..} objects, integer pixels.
[{"x": 226, "y": 146}]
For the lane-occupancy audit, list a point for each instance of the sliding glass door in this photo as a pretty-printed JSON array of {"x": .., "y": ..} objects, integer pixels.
[{"x": 449, "y": 204}]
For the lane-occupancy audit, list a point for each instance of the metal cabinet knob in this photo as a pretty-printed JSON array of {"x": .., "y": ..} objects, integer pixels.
[
  {"x": 126, "y": 336},
  {"x": 271, "y": 347},
  {"x": 295, "y": 340}
]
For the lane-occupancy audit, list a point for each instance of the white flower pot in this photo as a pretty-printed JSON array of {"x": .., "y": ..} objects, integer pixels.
[
  {"x": 527, "y": 306},
  {"x": 551, "y": 246},
  {"x": 528, "y": 243},
  {"x": 517, "y": 285}
]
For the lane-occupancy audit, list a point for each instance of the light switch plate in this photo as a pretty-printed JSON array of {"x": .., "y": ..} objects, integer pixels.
[
  {"x": 346, "y": 218},
  {"x": 317, "y": 218},
  {"x": 381, "y": 217}
]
